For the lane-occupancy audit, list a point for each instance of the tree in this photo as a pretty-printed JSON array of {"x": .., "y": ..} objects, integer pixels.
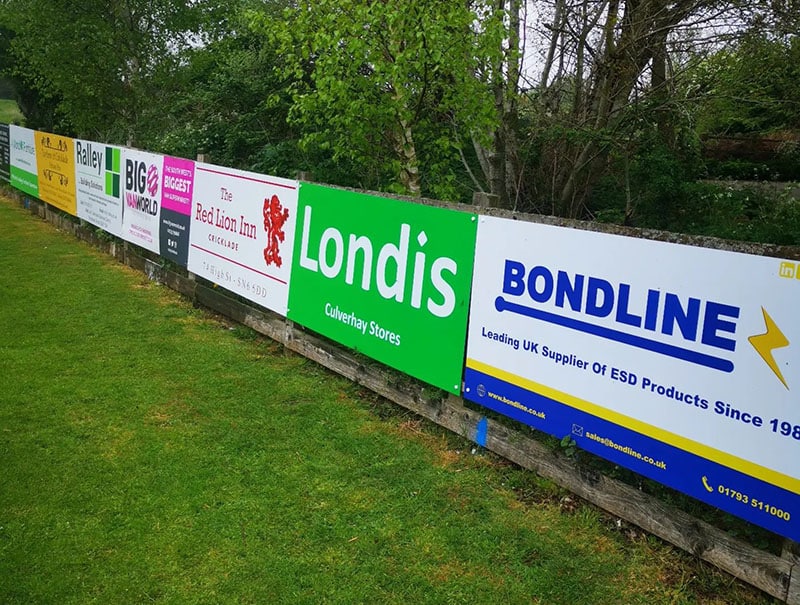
[
  {"x": 104, "y": 62},
  {"x": 230, "y": 98},
  {"x": 750, "y": 87},
  {"x": 38, "y": 109},
  {"x": 499, "y": 160},
  {"x": 376, "y": 82},
  {"x": 606, "y": 67}
]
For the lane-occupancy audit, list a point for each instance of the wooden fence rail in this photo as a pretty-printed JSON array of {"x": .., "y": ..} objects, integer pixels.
[{"x": 778, "y": 576}]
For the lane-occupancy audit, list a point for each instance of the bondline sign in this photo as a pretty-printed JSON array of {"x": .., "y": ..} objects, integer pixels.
[{"x": 677, "y": 362}]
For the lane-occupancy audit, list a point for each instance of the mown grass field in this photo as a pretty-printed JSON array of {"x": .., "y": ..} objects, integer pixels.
[
  {"x": 150, "y": 453},
  {"x": 10, "y": 113}
]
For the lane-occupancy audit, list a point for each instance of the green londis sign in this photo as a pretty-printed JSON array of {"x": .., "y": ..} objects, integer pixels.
[{"x": 387, "y": 278}]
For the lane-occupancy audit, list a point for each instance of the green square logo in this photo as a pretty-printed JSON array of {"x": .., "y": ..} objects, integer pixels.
[
  {"x": 113, "y": 171},
  {"x": 113, "y": 159},
  {"x": 112, "y": 184}
]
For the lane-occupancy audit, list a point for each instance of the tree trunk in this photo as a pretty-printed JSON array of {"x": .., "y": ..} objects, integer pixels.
[
  {"x": 409, "y": 164},
  {"x": 659, "y": 85},
  {"x": 497, "y": 154},
  {"x": 629, "y": 45},
  {"x": 510, "y": 113}
]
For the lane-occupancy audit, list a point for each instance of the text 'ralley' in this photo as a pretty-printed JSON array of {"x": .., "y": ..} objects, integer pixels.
[{"x": 86, "y": 155}]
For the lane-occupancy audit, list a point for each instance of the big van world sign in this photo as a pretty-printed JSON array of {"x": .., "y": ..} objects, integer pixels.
[{"x": 680, "y": 363}]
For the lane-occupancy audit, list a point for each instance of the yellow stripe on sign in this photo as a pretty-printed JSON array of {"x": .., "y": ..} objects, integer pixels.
[{"x": 752, "y": 469}]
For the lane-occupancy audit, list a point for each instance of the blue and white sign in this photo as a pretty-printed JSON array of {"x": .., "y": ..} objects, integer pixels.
[{"x": 680, "y": 363}]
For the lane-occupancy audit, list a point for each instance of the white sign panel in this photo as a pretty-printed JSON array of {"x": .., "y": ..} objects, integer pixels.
[
  {"x": 242, "y": 233},
  {"x": 141, "y": 195},
  {"x": 23, "y": 170},
  {"x": 678, "y": 362},
  {"x": 98, "y": 181}
]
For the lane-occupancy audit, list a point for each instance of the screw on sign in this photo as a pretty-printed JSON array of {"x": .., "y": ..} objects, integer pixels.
[{"x": 275, "y": 216}]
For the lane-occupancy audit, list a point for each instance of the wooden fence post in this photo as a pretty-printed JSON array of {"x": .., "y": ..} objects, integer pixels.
[
  {"x": 481, "y": 199},
  {"x": 791, "y": 552},
  {"x": 205, "y": 158}
]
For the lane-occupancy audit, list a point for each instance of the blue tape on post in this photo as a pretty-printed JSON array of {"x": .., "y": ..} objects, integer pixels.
[{"x": 480, "y": 431}]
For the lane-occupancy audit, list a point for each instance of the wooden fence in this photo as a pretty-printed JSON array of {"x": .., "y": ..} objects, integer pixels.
[{"x": 778, "y": 576}]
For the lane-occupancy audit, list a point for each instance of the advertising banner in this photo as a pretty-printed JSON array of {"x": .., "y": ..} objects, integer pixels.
[
  {"x": 24, "y": 174},
  {"x": 141, "y": 193},
  {"x": 680, "y": 363},
  {"x": 98, "y": 182},
  {"x": 242, "y": 233},
  {"x": 55, "y": 163},
  {"x": 387, "y": 278},
  {"x": 5, "y": 153},
  {"x": 176, "y": 209}
]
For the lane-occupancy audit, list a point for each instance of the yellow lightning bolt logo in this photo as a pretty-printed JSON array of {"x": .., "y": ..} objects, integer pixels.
[{"x": 764, "y": 344}]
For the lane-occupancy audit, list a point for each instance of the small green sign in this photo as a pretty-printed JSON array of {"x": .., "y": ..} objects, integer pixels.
[
  {"x": 387, "y": 278},
  {"x": 25, "y": 181}
]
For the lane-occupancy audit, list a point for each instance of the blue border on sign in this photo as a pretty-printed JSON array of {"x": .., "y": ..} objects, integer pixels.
[{"x": 769, "y": 506}]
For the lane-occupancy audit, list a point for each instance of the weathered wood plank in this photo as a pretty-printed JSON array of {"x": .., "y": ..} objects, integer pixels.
[
  {"x": 217, "y": 301},
  {"x": 180, "y": 283},
  {"x": 791, "y": 552},
  {"x": 153, "y": 271},
  {"x": 269, "y": 324},
  {"x": 134, "y": 261}
]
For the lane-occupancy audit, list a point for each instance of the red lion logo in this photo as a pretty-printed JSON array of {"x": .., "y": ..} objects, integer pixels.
[{"x": 275, "y": 216}]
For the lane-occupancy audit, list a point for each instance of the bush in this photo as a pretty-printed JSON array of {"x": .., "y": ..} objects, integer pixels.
[
  {"x": 749, "y": 214},
  {"x": 665, "y": 194},
  {"x": 753, "y": 214}
]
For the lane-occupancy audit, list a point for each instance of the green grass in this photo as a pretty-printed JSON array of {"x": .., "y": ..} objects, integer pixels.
[
  {"x": 152, "y": 454},
  {"x": 10, "y": 113}
]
